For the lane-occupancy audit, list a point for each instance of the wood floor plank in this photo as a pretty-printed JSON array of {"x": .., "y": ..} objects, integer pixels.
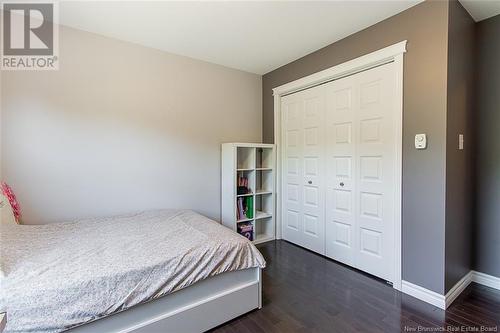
[{"x": 304, "y": 292}]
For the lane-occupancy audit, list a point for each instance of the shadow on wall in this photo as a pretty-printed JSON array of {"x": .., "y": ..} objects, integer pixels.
[
  {"x": 122, "y": 129},
  {"x": 487, "y": 217}
]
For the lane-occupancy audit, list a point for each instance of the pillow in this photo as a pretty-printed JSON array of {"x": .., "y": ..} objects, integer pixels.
[
  {"x": 10, "y": 210},
  {"x": 6, "y": 213}
]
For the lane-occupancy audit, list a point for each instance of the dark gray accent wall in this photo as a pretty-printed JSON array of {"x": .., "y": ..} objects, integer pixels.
[
  {"x": 425, "y": 26},
  {"x": 487, "y": 217},
  {"x": 459, "y": 163}
]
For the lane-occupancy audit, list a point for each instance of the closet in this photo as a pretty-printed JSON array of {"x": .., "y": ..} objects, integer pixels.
[{"x": 339, "y": 143}]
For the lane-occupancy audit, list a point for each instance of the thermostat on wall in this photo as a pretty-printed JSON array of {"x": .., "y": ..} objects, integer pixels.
[{"x": 420, "y": 141}]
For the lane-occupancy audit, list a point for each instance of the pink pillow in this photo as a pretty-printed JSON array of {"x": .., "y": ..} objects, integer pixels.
[{"x": 9, "y": 194}]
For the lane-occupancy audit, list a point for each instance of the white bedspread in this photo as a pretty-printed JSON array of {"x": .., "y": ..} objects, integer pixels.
[{"x": 66, "y": 274}]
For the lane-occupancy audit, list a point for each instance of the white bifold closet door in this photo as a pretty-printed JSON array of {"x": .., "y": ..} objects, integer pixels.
[
  {"x": 338, "y": 169},
  {"x": 304, "y": 168}
]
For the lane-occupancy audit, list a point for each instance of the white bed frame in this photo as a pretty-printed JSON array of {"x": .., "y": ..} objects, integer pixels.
[{"x": 197, "y": 308}]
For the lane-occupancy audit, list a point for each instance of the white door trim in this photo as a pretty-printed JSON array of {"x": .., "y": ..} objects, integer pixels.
[{"x": 393, "y": 53}]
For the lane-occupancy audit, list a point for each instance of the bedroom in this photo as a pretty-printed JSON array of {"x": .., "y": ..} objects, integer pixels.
[{"x": 115, "y": 156}]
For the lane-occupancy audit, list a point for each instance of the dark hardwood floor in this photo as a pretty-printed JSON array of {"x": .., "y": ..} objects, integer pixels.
[{"x": 305, "y": 292}]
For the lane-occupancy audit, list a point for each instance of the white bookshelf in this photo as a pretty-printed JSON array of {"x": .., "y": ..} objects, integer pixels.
[{"x": 256, "y": 162}]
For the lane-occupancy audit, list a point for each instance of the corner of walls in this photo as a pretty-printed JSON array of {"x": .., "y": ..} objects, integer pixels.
[
  {"x": 267, "y": 117},
  {"x": 459, "y": 170},
  {"x": 487, "y": 186}
]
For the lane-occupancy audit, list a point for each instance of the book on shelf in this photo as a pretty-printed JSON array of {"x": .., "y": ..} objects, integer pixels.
[
  {"x": 246, "y": 230},
  {"x": 243, "y": 185},
  {"x": 249, "y": 207},
  {"x": 244, "y": 208},
  {"x": 239, "y": 209}
]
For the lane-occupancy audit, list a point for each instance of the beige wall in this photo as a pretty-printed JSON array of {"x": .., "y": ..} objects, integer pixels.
[
  {"x": 425, "y": 26},
  {"x": 120, "y": 128}
]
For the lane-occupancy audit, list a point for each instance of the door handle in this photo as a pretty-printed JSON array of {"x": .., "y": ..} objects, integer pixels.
[
  {"x": 342, "y": 184},
  {"x": 310, "y": 182}
]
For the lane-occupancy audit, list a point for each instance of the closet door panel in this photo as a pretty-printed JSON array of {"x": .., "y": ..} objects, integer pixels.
[
  {"x": 292, "y": 108},
  {"x": 341, "y": 105},
  {"x": 375, "y": 177},
  {"x": 303, "y": 215},
  {"x": 313, "y": 179}
]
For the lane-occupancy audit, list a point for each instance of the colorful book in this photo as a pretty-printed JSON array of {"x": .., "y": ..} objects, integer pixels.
[
  {"x": 246, "y": 230},
  {"x": 240, "y": 209},
  {"x": 249, "y": 207}
]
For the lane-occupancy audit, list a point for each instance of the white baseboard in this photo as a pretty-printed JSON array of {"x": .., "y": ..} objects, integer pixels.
[
  {"x": 423, "y": 294},
  {"x": 457, "y": 289},
  {"x": 486, "y": 280},
  {"x": 444, "y": 301}
]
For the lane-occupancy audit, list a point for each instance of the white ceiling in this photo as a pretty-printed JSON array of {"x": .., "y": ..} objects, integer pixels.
[
  {"x": 482, "y": 9},
  {"x": 254, "y": 36}
]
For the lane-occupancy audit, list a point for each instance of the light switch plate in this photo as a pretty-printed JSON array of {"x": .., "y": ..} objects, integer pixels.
[
  {"x": 460, "y": 142},
  {"x": 420, "y": 141}
]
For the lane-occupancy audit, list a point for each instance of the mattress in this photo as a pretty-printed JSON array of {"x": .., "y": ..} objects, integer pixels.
[{"x": 62, "y": 275}]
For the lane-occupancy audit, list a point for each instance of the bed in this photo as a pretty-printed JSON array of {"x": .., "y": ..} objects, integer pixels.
[{"x": 156, "y": 271}]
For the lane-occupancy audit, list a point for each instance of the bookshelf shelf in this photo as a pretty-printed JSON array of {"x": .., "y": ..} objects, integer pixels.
[
  {"x": 248, "y": 194},
  {"x": 263, "y": 228},
  {"x": 261, "y": 238},
  {"x": 244, "y": 220},
  {"x": 261, "y": 192},
  {"x": 244, "y": 195},
  {"x": 262, "y": 215}
]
